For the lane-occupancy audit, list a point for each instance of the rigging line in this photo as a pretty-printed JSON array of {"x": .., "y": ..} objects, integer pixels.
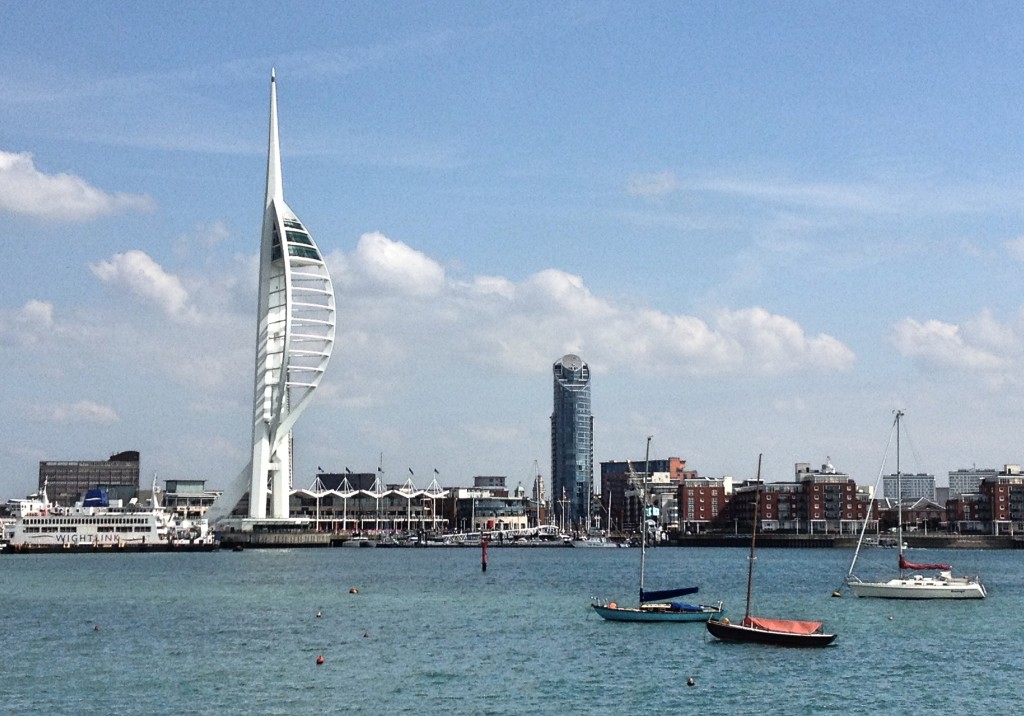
[
  {"x": 871, "y": 501},
  {"x": 913, "y": 450}
]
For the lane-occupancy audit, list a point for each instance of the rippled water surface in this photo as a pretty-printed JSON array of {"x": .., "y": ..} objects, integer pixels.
[{"x": 429, "y": 632}]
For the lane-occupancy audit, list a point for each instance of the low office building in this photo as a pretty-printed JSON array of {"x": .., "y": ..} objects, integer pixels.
[{"x": 67, "y": 480}]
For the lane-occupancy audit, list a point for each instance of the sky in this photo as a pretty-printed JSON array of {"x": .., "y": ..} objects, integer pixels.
[{"x": 764, "y": 225}]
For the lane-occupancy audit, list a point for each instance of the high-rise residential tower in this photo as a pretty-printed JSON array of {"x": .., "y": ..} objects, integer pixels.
[
  {"x": 572, "y": 443},
  {"x": 294, "y": 338}
]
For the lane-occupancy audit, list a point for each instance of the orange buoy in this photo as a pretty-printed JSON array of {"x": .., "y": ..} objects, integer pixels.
[{"x": 320, "y": 659}]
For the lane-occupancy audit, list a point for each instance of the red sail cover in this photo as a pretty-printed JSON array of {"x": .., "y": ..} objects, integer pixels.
[
  {"x": 904, "y": 564},
  {"x": 790, "y": 626}
]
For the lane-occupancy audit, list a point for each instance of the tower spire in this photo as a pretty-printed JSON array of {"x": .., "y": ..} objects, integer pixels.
[{"x": 275, "y": 188}]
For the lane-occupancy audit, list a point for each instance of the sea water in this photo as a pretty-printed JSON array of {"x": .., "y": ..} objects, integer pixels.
[{"x": 427, "y": 631}]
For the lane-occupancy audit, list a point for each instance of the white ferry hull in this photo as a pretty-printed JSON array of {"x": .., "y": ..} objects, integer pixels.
[{"x": 107, "y": 547}]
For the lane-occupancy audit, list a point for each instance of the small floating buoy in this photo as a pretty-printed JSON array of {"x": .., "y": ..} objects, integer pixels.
[
  {"x": 836, "y": 593},
  {"x": 891, "y": 617},
  {"x": 318, "y": 615},
  {"x": 320, "y": 659},
  {"x": 366, "y": 634},
  {"x": 96, "y": 627},
  {"x": 690, "y": 681},
  {"x": 353, "y": 591}
]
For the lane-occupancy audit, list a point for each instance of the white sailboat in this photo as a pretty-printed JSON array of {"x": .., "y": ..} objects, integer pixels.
[{"x": 941, "y": 585}]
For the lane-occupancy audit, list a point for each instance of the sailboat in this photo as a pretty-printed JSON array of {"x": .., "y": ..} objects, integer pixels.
[
  {"x": 942, "y": 585},
  {"x": 780, "y": 632},
  {"x": 655, "y": 606}
]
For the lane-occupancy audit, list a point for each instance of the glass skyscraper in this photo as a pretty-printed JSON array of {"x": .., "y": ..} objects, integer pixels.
[{"x": 572, "y": 443}]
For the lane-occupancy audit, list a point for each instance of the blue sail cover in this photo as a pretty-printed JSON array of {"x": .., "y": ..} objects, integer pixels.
[
  {"x": 662, "y": 594},
  {"x": 95, "y": 497}
]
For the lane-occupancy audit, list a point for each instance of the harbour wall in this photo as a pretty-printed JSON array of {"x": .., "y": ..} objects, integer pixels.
[{"x": 940, "y": 541}]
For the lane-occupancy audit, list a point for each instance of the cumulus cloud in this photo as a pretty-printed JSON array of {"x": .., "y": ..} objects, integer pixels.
[
  {"x": 981, "y": 345},
  {"x": 520, "y": 326},
  {"x": 396, "y": 267},
  {"x": 84, "y": 411},
  {"x": 145, "y": 278},
  {"x": 652, "y": 185},
  {"x": 29, "y": 192}
]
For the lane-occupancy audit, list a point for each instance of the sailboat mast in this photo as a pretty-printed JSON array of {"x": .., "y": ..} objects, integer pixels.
[
  {"x": 899, "y": 493},
  {"x": 753, "y": 536},
  {"x": 643, "y": 516}
]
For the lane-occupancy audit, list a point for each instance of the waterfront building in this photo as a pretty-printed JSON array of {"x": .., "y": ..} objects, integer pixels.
[
  {"x": 967, "y": 480},
  {"x": 294, "y": 339},
  {"x": 362, "y": 503},
  {"x": 67, "y": 480},
  {"x": 1004, "y": 503},
  {"x": 833, "y": 499},
  {"x": 188, "y": 499},
  {"x": 572, "y": 444},
  {"x": 701, "y": 501},
  {"x": 912, "y": 486},
  {"x": 967, "y": 512},
  {"x": 619, "y": 503},
  {"x": 816, "y": 502}
]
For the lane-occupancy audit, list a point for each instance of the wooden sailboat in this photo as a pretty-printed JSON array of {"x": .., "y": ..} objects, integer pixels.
[
  {"x": 656, "y": 606},
  {"x": 942, "y": 585},
  {"x": 780, "y": 632}
]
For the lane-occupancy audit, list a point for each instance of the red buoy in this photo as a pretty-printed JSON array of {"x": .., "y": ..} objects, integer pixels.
[{"x": 320, "y": 659}]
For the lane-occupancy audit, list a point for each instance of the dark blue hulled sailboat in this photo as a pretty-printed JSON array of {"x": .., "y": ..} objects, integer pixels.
[{"x": 656, "y": 606}]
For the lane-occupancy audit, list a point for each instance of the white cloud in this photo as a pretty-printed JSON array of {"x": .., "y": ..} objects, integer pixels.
[
  {"x": 854, "y": 197},
  {"x": 204, "y": 238},
  {"x": 144, "y": 277},
  {"x": 27, "y": 191},
  {"x": 28, "y": 325},
  {"x": 84, "y": 411},
  {"x": 396, "y": 267},
  {"x": 948, "y": 345},
  {"x": 1015, "y": 247},
  {"x": 524, "y": 326},
  {"x": 652, "y": 185}
]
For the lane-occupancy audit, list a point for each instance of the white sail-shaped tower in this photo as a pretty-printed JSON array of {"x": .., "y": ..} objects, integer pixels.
[
  {"x": 294, "y": 335},
  {"x": 294, "y": 338}
]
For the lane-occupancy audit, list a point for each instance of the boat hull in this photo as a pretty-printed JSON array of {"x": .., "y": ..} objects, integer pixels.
[
  {"x": 727, "y": 631},
  {"x": 629, "y": 614},
  {"x": 108, "y": 548},
  {"x": 918, "y": 587}
]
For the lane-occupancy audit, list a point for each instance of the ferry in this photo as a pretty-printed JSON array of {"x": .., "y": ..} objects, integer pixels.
[{"x": 98, "y": 523}]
